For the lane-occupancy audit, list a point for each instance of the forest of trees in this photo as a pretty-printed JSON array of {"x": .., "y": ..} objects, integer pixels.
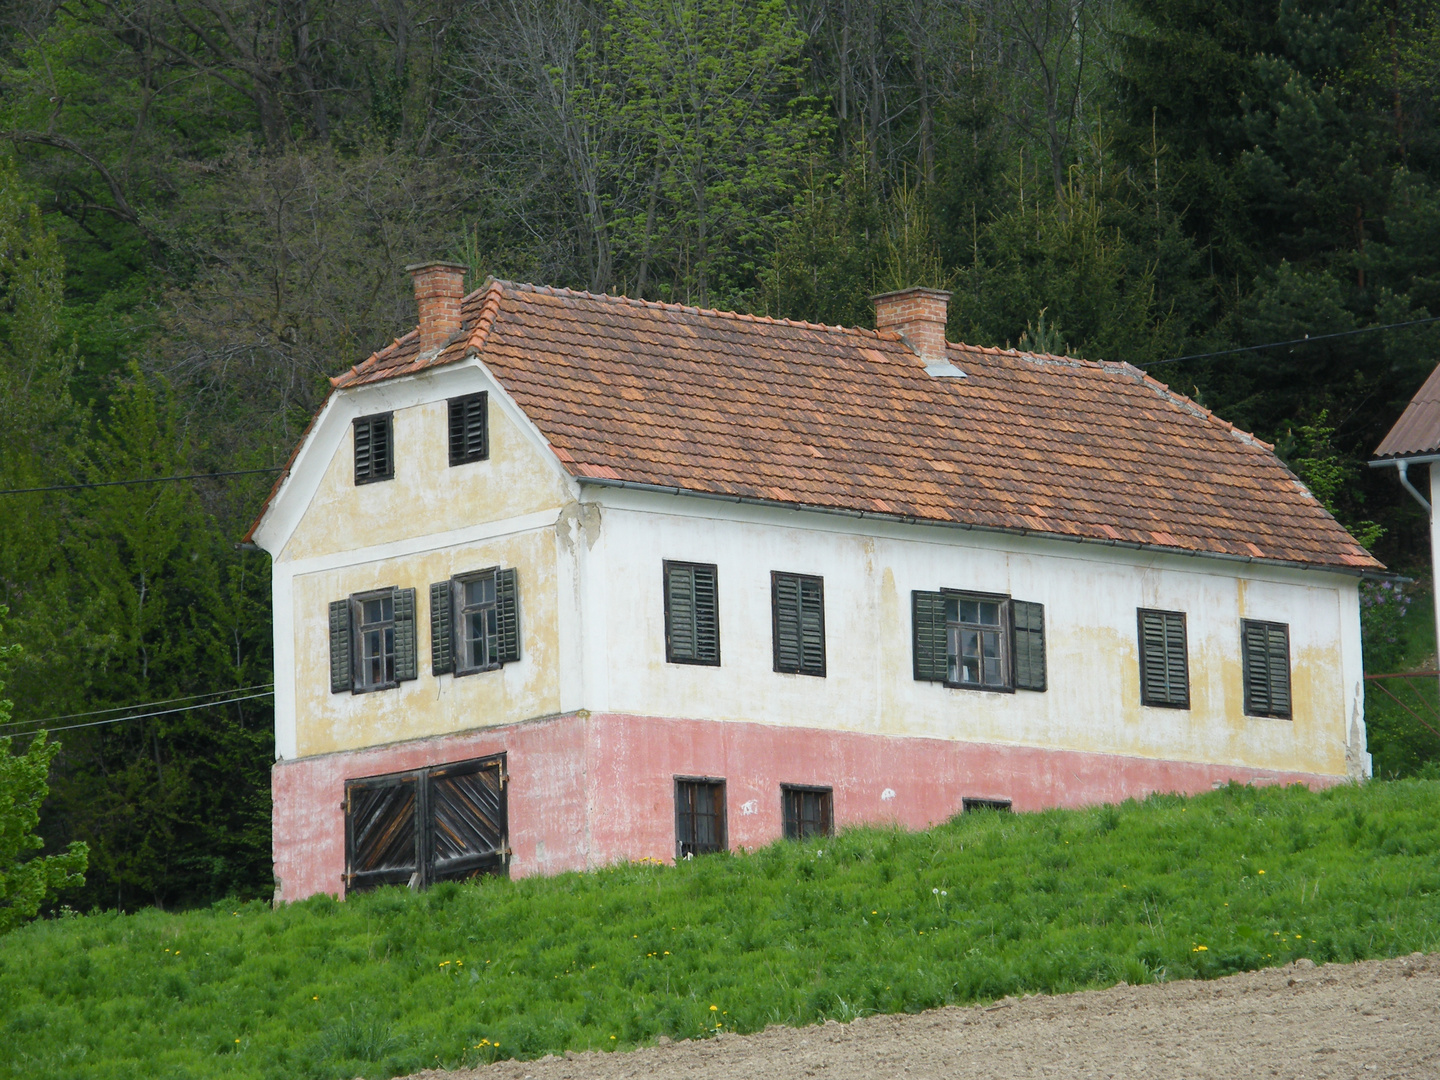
[{"x": 206, "y": 207}]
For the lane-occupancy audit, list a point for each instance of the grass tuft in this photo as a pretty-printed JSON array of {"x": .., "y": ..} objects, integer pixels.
[{"x": 870, "y": 921}]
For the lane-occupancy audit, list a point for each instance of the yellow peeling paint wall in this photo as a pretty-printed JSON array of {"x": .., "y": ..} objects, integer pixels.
[
  {"x": 427, "y": 495},
  {"x": 1090, "y": 592},
  {"x": 430, "y": 522},
  {"x": 428, "y": 705}
]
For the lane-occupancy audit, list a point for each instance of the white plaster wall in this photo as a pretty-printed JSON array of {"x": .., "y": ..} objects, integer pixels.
[{"x": 1090, "y": 593}]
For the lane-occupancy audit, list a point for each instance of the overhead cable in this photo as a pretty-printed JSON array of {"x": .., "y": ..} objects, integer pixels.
[
  {"x": 32, "y": 727},
  {"x": 152, "y": 704},
  {"x": 1295, "y": 341},
  {"x": 149, "y": 480}
]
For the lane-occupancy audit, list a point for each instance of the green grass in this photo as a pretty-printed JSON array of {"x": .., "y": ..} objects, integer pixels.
[
  {"x": 1400, "y": 744},
  {"x": 869, "y": 921}
]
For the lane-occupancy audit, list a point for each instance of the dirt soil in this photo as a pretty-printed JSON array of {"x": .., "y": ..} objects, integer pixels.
[{"x": 1373, "y": 1019}]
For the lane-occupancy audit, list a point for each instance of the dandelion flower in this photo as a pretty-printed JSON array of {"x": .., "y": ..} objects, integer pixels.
[
  {"x": 874, "y": 913},
  {"x": 1260, "y": 871},
  {"x": 237, "y": 1040},
  {"x": 714, "y": 1008},
  {"x": 315, "y": 998}
]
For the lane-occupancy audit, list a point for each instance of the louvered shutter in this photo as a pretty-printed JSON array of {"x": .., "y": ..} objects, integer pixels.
[
  {"x": 1164, "y": 666},
  {"x": 507, "y": 614},
  {"x": 469, "y": 429},
  {"x": 362, "y": 451},
  {"x": 1279, "y": 642},
  {"x": 812, "y": 626},
  {"x": 380, "y": 458},
  {"x": 1029, "y": 644},
  {"x": 679, "y": 613},
  {"x": 406, "y": 663},
  {"x": 342, "y": 679},
  {"x": 707, "y": 616},
  {"x": 785, "y": 590},
  {"x": 442, "y": 622},
  {"x": 928, "y": 617},
  {"x": 1266, "y": 659},
  {"x": 692, "y": 614}
]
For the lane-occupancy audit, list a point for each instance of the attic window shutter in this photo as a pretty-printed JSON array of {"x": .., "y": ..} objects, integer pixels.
[
  {"x": 406, "y": 664},
  {"x": 1266, "y": 658},
  {"x": 1164, "y": 666},
  {"x": 342, "y": 679},
  {"x": 798, "y": 618},
  {"x": 442, "y": 646},
  {"x": 469, "y": 428},
  {"x": 928, "y": 616},
  {"x": 1029, "y": 644},
  {"x": 507, "y": 605},
  {"x": 373, "y": 457},
  {"x": 692, "y": 616}
]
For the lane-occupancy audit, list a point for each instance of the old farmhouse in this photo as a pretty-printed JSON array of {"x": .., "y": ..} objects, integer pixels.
[{"x": 563, "y": 579}]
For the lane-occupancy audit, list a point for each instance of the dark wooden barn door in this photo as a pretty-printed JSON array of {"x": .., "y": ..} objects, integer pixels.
[
  {"x": 381, "y": 828},
  {"x": 437, "y": 824},
  {"x": 466, "y": 808}
]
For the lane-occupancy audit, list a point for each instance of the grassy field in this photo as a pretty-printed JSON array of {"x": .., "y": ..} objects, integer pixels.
[{"x": 872, "y": 920}]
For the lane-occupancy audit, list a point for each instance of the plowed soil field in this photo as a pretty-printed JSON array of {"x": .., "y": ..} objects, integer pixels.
[{"x": 1373, "y": 1019}]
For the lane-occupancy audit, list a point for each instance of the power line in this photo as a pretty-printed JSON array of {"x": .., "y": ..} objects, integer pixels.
[
  {"x": 150, "y": 704},
  {"x": 137, "y": 716},
  {"x": 1295, "y": 341},
  {"x": 128, "y": 483}
]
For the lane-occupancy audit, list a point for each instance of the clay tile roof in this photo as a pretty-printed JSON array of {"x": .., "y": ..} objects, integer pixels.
[
  {"x": 842, "y": 419},
  {"x": 1418, "y": 429}
]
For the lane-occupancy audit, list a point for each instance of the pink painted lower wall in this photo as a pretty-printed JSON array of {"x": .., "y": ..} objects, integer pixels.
[{"x": 589, "y": 790}]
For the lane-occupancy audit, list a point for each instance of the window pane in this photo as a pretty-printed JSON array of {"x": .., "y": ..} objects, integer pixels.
[
  {"x": 373, "y": 612},
  {"x": 952, "y": 610},
  {"x": 475, "y": 650},
  {"x": 969, "y": 611},
  {"x": 952, "y": 648},
  {"x": 480, "y": 591},
  {"x": 989, "y": 613}
]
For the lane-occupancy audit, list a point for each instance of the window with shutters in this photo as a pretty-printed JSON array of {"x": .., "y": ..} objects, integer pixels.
[
  {"x": 797, "y": 605},
  {"x": 699, "y": 816},
  {"x": 1164, "y": 664},
  {"x": 692, "y": 614},
  {"x": 1266, "y": 656},
  {"x": 372, "y": 641},
  {"x": 469, "y": 428},
  {"x": 475, "y": 622},
  {"x": 808, "y": 811},
  {"x": 978, "y": 641},
  {"x": 442, "y": 823},
  {"x": 374, "y": 450}
]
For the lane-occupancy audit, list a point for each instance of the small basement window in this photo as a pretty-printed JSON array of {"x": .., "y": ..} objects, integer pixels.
[
  {"x": 469, "y": 428},
  {"x": 966, "y": 805},
  {"x": 374, "y": 454},
  {"x": 699, "y": 816},
  {"x": 809, "y": 811}
]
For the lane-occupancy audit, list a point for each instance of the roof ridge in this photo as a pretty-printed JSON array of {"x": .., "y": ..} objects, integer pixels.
[
  {"x": 1189, "y": 404},
  {"x": 690, "y": 309}
]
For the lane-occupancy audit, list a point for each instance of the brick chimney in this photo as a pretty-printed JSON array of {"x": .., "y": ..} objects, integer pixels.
[
  {"x": 918, "y": 315},
  {"x": 439, "y": 288}
]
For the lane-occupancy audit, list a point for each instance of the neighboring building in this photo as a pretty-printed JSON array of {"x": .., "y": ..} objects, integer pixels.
[
  {"x": 1415, "y": 440},
  {"x": 564, "y": 579}
]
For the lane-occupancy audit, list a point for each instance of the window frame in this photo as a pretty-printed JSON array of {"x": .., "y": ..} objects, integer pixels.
[
  {"x": 667, "y": 565},
  {"x": 358, "y": 628},
  {"x": 722, "y": 843},
  {"x": 1145, "y": 699},
  {"x": 458, "y": 638},
  {"x": 451, "y": 404},
  {"x": 1006, "y": 631},
  {"x": 800, "y": 668},
  {"x": 1247, "y": 677},
  {"x": 828, "y": 810},
  {"x": 372, "y": 477}
]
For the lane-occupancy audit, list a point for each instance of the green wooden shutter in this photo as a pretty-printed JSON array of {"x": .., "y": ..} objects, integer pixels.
[
  {"x": 342, "y": 679},
  {"x": 1029, "y": 644},
  {"x": 680, "y": 613},
  {"x": 928, "y": 615},
  {"x": 507, "y": 613},
  {"x": 406, "y": 663},
  {"x": 1164, "y": 666},
  {"x": 442, "y": 622},
  {"x": 785, "y": 599},
  {"x": 1279, "y": 643},
  {"x": 812, "y": 626},
  {"x": 707, "y": 615}
]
